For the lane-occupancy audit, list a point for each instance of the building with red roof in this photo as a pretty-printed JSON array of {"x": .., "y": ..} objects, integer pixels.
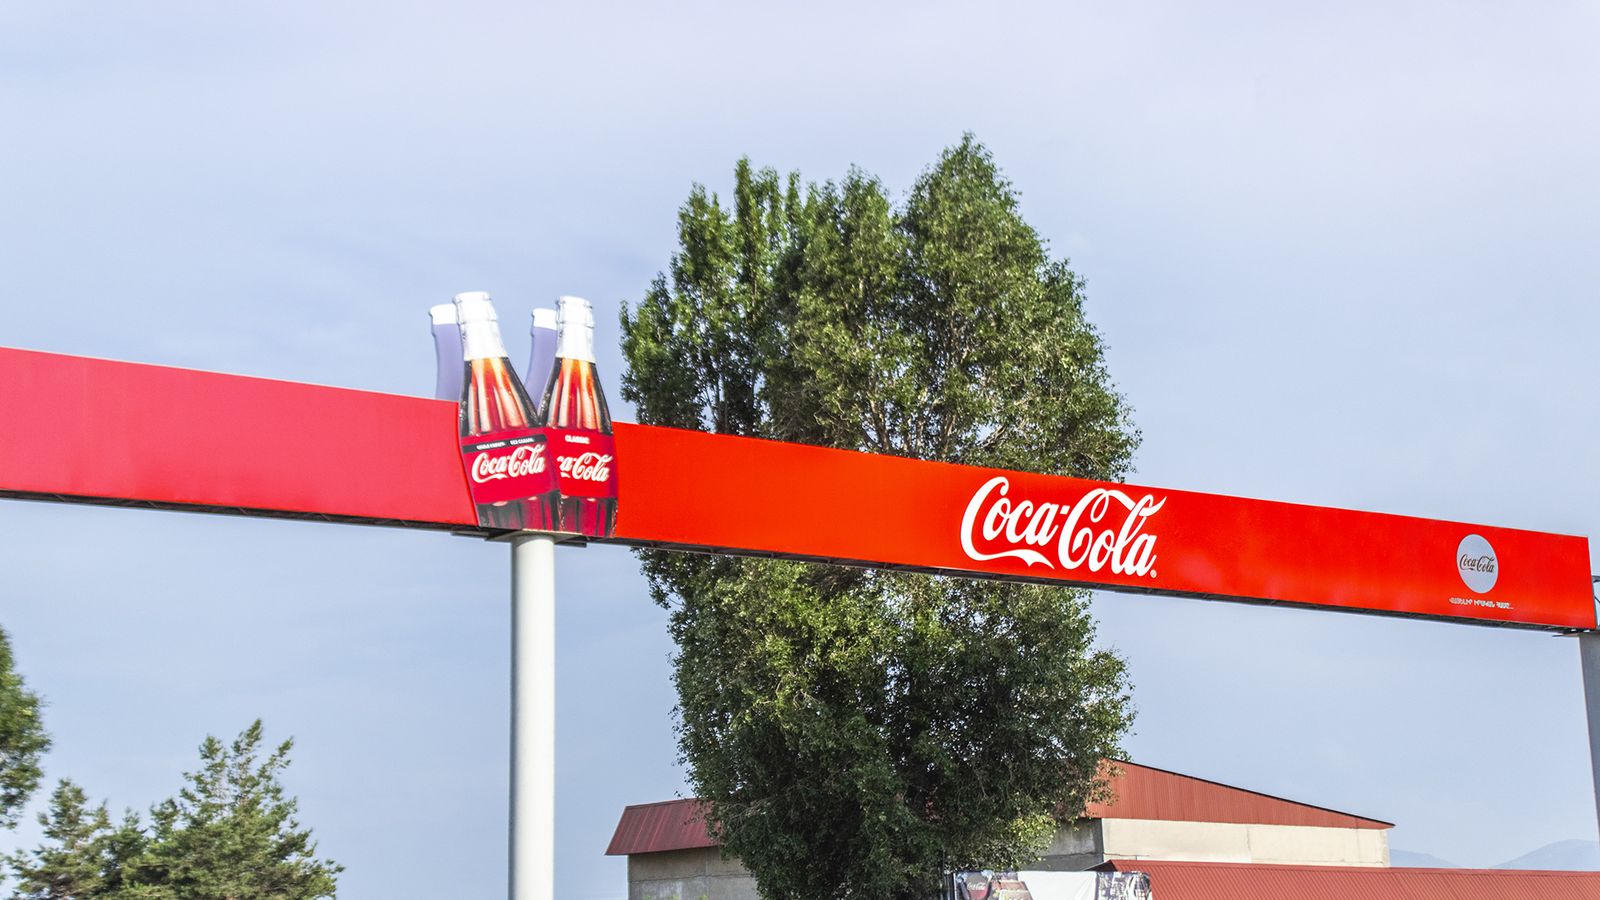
[
  {"x": 1155, "y": 815},
  {"x": 1195, "y": 840}
]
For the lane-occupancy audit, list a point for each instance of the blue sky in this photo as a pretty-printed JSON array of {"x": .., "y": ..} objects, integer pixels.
[{"x": 1341, "y": 256}]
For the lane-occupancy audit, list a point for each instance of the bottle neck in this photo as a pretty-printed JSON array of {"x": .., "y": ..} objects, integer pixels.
[
  {"x": 577, "y": 342},
  {"x": 481, "y": 340},
  {"x": 577, "y": 329}
]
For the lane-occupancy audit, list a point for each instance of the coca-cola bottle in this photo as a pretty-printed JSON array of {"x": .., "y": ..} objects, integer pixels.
[
  {"x": 580, "y": 427},
  {"x": 506, "y": 455}
]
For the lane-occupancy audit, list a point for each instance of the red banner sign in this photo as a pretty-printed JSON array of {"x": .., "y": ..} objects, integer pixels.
[
  {"x": 120, "y": 433},
  {"x": 882, "y": 510}
]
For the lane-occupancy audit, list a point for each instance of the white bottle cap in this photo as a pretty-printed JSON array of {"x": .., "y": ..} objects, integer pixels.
[
  {"x": 480, "y": 328},
  {"x": 475, "y": 306},
  {"x": 545, "y": 318},
  {"x": 577, "y": 330},
  {"x": 443, "y": 314}
]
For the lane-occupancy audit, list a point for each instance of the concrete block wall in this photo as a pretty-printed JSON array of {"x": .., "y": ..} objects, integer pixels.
[
  {"x": 700, "y": 874},
  {"x": 704, "y": 875},
  {"x": 1301, "y": 845}
]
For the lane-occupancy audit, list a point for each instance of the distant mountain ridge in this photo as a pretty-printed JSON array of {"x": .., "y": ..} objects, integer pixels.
[
  {"x": 1573, "y": 856},
  {"x": 1561, "y": 856},
  {"x": 1405, "y": 859}
]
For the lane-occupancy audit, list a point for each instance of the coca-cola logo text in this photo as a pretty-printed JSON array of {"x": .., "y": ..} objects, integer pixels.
[
  {"x": 527, "y": 459},
  {"x": 1477, "y": 563},
  {"x": 1104, "y": 529},
  {"x": 594, "y": 467}
]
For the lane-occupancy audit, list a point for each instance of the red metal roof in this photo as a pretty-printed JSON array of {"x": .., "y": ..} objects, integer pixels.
[
  {"x": 1254, "y": 881},
  {"x": 656, "y": 827},
  {"x": 1143, "y": 792}
]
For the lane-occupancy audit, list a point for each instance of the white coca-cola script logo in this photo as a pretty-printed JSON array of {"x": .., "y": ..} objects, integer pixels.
[
  {"x": 525, "y": 460},
  {"x": 594, "y": 467},
  {"x": 1105, "y": 528},
  {"x": 1477, "y": 563}
]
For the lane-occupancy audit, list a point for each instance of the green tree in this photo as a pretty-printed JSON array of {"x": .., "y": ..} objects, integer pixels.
[
  {"x": 231, "y": 833},
  {"x": 79, "y": 859},
  {"x": 22, "y": 739},
  {"x": 857, "y": 732}
]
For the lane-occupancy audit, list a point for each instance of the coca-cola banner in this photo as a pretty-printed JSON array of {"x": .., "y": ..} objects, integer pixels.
[
  {"x": 789, "y": 499},
  {"x": 121, "y": 433}
]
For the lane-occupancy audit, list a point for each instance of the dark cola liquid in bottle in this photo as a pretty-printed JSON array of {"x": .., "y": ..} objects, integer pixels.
[
  {"x": 580, "y": 427},
  {"x": 506, "y": 455}
]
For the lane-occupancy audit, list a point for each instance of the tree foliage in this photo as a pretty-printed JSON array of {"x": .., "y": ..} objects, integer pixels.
[
  {"x": 85, "y": 855},
  {"x": 229, "y": 834},
  {"x": 22, "y": 739},
  {"x": 856, "y": 732}
]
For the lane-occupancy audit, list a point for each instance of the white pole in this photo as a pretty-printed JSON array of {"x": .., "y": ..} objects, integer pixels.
[
  {"x": 533, "y": 716},
  {"x": 1589, "y": 651}
]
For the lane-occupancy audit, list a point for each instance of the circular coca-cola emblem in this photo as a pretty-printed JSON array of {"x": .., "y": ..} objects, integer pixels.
[{"x": 1478, "y": 565}]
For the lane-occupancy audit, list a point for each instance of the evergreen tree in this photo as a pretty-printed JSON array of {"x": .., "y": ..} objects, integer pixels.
[
  {"x": 74, "y": 865},
  {"x": 121, "y": 848},
  {"x": 230, "y": 834},
  {"x": 22, "y": 739},
  {"x": 857, "y": 732}
]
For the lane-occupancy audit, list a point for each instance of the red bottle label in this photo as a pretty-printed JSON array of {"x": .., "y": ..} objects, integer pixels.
[
  {"x": 586, "y": 462},
  {"x": 508, "y": 465}
]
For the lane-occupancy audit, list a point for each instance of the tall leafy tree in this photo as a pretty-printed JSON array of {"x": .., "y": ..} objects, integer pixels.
[
  {"x": 857, "y": 732},
  {"x": 22, "y": 739}
]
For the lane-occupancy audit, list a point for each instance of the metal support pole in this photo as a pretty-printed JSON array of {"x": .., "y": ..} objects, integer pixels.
[
  {"x": 1589, "y": 656},
  {"x": 1589, "y": 650},
  {"x": 533, "y": 717}
]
